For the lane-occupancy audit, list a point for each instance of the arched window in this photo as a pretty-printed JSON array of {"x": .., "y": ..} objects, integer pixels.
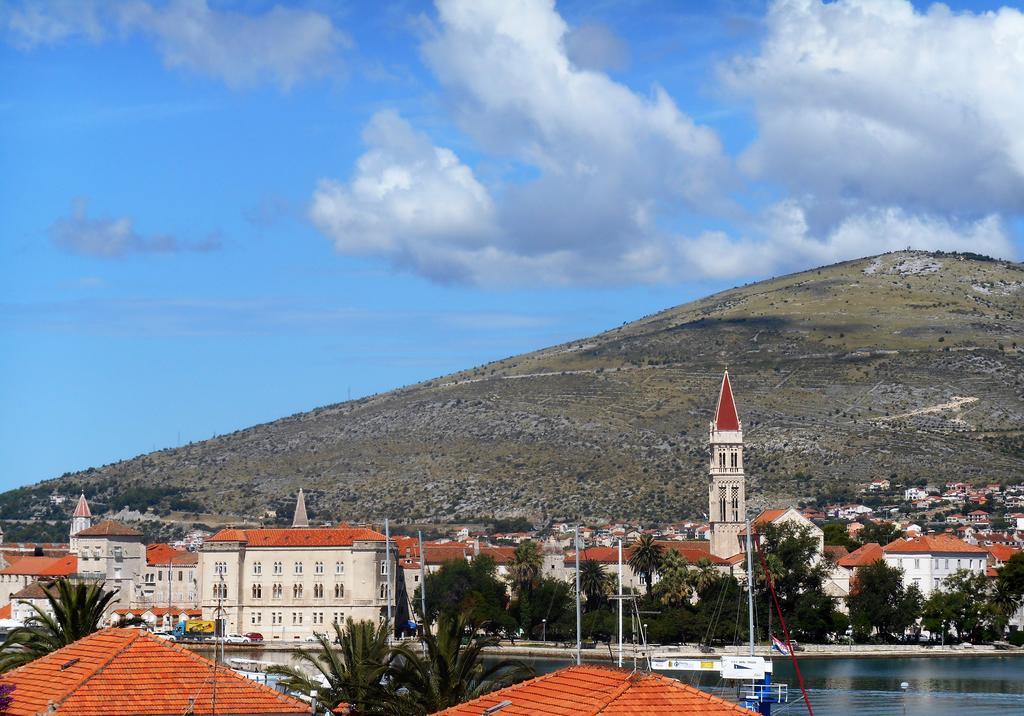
[
  {"x": 257, "y": 591},
  {"x": 384, "y": 591},
  {"x": 278, "y": 568},
  {"x": 339, "y": 567},
  {"x": 275, "y": 591},
  {"x": 339, "y": 591},
  {"x": 318, "y": 567},
  {"x": 296, "y": 591},
  {"x": 298, "y": 568},
  {"x": 257, "y": 568}
]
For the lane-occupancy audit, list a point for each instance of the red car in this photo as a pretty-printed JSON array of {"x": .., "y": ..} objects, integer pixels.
[{"x": 253, "y": 636}]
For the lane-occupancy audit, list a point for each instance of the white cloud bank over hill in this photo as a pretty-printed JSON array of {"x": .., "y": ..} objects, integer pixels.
[{"x": 889, "y": 127}]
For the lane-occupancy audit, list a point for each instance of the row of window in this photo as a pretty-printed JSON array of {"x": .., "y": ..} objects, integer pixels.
[
  {"x": 159, "y": 576},
  {"x": 297, "y": 567},
  {"x": 277, "y": 591},
  {"x": 945, "y": 563},
  {"x": 256, "y": 618}
]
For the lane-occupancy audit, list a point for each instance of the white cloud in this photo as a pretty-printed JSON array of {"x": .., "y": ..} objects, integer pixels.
[
  {"x": 863, "y": 102},
  {"x": 409, "y": 201},
  {"x": 605, "y": 164},
  {"x": 37, "y": 23},
  {"x": 595, "y": 47},
  {"x": 113, "y": 238},
  {"x": 282, "y": 45}
]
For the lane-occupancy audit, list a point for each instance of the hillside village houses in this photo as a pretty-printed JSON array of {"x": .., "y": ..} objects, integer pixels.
[{"x": 289, "y": 582}]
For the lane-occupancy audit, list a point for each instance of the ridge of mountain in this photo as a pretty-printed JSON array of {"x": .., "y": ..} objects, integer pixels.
[{"x": 902, "y": 364}]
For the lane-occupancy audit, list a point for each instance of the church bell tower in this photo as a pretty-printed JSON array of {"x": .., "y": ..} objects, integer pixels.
[{"x": 727, "y": 494}]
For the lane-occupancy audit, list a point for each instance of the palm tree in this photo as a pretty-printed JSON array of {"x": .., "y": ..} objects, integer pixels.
[
  {"x": 595, "y": 583},
  {"x": 704, "y": 575},
  {"x": 450, "y": 672},
  {"x": 353, "y": 667},
  {"x": 73, "y": 610},
  {"x": 646, "y": 558},
  {"x": 525, "y": 566},
  {"x": 1005, "y": 604},
  {"x": 675, "y": 585}
]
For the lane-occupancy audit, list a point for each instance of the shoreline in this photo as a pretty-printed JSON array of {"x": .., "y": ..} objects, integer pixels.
[{"x": 602, "y": 653}]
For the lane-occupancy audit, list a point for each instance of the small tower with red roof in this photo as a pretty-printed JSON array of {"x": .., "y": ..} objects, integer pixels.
[
  {"x": 80, "y": 520},
  {"x": 727, "y": 493}
]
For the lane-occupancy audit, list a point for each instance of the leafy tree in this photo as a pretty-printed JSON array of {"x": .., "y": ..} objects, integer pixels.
[
  {"x": 1011, "y": 575},
  {"x": 469, "y": 588},
  {"x": 962, "y": 603},
  {"x": 452, "y": 670},
  {"x": 704, "y": 575},
  {"x": 550, "y": 600},
  {"x": 595, "y": 584},
  {"x": 881, "y": 532},
  {"x": 353, "y": 669},
  {"x": 878, "y": 600},
  {"x": 646, "y": 559},
  {"x": 798, "y": 572},
  {"x": 837, "y": 534},
  {"x": 78, "y": 610},
  {"x": 525, "y": 566}
]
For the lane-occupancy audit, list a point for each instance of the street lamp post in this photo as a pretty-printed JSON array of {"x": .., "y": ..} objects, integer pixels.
[{"x": 544, "y": 630}]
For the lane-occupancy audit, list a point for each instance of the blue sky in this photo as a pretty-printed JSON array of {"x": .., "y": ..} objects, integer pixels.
[{"x": 220, "y": 213}]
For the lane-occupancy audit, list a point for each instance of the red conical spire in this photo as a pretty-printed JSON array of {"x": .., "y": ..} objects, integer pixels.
[
  {"x": 82, "y": 508},
  {"x": 725, "y": 414}
]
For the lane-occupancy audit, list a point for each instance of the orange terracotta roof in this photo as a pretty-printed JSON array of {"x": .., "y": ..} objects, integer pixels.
[
  {"x": 1002, "y": 552},
  {"x": 932, "y": 544},
  {"x": 126, "y": 671},
  {"x": 501, "y": 555},
  {"x": 689, "y": 551},
  {"x": 164, "y": 554},
  {"x": 586, "y": 690},
  {"x": 43, "y": 566},
  {"x": 836, "y": 551},
  {"x": 5, "y": 611},
  {"x": 441, "y": 553},
  {"x": 299, "y": 536},
  {"x": 109, "y": 528},
  {"x": 862, "y": 556}
]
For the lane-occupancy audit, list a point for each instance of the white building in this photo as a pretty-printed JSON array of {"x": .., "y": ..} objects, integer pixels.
[{"x": 928, "y": 560}]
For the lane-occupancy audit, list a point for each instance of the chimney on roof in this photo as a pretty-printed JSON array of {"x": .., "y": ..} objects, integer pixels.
[{"x": 300, "y": 519}]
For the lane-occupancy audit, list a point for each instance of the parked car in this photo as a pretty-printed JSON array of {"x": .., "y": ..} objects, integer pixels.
[
  {"x": 165, "y": 635},
  {"x": 253, "y": 636},
  {"x": 236, "y": 639}
]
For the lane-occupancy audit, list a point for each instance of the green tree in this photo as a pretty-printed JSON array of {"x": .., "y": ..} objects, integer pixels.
[
  {"x": 77, "y": 609},
  {"x": 549, "y": 601},
  {"x": 452, "y": 670},
  {"x": 704, "y": 575},
  {"x": 837, "y": 534},
  {"x": 799, "y": 571},
  {"x": 961, "y": 603},
  {"x": 469, "y": 588},
  {"x": 1011, "y": 575},
  {"x": 595, "y": 584},
  {"x": 646, "y": 559},
  {"x": 675, "y": 585},
  {"x": 525, "y": 566},
  {"x": 879, "y": 601},
  {"x": 353, "y": 667},
  {"x": 881, "y": 532}
]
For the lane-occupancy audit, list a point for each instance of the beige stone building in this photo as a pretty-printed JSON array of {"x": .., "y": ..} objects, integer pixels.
[{"x": 288, "y": 583}]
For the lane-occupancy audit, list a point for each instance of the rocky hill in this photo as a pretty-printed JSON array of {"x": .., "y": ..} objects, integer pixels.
[{"x": 906, "y": 364}]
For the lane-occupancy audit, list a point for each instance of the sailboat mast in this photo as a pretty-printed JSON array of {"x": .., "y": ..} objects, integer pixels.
[
  {"x": 750, "y": 589},
  {"x": 620, "y": 604},
  {"x": 387, "y": 573},
  {"x": 579, "y": 643},
  {"x": 423, "y": 580}
]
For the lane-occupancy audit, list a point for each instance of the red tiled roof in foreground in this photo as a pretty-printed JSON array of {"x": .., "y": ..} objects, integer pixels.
[
  {"x": 932, "y": 544},
  {"x": 116, "y": 672},
  {"x": 299, "y": 536},
  {"x": 583, "y": 690},
  {"x": 725, "y": 414}
]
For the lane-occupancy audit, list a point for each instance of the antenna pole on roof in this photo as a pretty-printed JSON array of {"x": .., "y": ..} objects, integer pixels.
[{"x": 579, "y": 643}]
